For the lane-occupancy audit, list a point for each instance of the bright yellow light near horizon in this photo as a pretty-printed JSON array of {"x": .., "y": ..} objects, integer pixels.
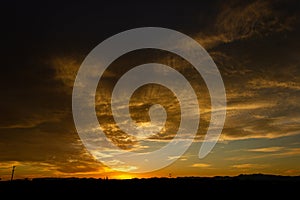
[{"x": 124, "y": 176}]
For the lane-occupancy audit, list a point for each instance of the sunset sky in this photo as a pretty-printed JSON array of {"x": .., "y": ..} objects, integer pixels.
[{"x": 255, "y": 45}]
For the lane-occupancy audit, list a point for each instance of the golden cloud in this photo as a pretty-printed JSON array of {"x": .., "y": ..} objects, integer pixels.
[{"x": 201, "y": 165}]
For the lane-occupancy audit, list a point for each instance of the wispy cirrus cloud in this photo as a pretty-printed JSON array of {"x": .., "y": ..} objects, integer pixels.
[
  {"x": 35, "y": 120},
  {"x": 267, "y": 152},
  {"x": 267, "y": 149},
  {"x": 265, "y": 84},
  {"x": 246, "y": 166},
  {"x": 238, "y": 21}
]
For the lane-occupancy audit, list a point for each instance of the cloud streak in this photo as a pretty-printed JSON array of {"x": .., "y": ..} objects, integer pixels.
[
  {"x": 267, "y": 149},
  {"x": 247, "y": 166},
  {"x": 201, "y": 165},
  {"x": 267, "y": 152}
]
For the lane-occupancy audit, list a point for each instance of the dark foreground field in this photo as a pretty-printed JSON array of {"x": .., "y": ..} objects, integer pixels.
[{"x": 242, "y": 185}]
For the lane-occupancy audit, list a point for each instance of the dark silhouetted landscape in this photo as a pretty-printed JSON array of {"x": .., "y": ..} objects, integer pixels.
[{"x": 249, "y": 185}]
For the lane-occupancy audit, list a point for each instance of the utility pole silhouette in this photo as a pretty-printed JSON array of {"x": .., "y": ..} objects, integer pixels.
[{"x": 12, "y": 172}]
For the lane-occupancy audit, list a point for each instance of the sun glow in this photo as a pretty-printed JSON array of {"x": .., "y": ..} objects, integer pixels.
[{"x": 124, "y": 176}]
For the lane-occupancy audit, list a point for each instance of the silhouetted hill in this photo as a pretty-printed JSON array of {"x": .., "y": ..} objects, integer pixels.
[{"x": 248, "y": 185}]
